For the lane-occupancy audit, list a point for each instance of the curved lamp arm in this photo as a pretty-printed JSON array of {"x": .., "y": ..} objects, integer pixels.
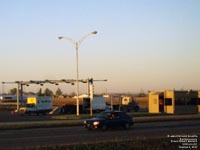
[
  {"x": 86, "y": 36},
  {"x": 67, "y": 38},
  {"x": 77, "y": 42}
]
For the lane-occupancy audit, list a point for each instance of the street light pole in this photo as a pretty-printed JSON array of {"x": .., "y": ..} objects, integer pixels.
[
  {"x": 77, "y": 44},
  {"x": 18, "y": 97},
  {"x": 77, "y": 83}
]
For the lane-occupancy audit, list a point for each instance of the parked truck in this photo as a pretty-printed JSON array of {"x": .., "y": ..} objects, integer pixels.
[
  {"x": 128, "y": 104},
  {"x": 68, "y": 105},
  {"x": 98, "y": 104},
  {"x": 37, "y": 105},
  {"x": 122, "y": 102}
]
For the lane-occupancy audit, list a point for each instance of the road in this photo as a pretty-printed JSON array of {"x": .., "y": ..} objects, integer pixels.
[{"x": 13, "y": 139}]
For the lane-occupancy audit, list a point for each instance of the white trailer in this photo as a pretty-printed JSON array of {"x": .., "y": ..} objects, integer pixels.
[
  {"x": 98, "y": 104},
  {"x": 37, "y": 105}
]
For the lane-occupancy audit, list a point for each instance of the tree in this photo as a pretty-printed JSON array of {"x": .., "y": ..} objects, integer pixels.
[
  {"x": 142, "y": 93},
  {"x": 13, "y": 91},
  {"x": 59, "y": 92},
  {"x": 39, "y": 93},
  {"x": 73, "y": 94},
  {"x": 48, "y": 92}
]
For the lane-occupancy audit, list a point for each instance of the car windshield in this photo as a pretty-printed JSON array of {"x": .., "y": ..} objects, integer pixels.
[{"x": 103, "y": 115}]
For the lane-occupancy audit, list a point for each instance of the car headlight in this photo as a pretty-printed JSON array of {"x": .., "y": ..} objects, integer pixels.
[{"x": 96, "y": 123}]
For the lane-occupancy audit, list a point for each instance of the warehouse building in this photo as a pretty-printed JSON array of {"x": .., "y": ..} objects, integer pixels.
[{"x": 174, "y": 102}]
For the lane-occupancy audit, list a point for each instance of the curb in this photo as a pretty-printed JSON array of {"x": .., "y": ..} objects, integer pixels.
[{"x": 69, "y": 123}]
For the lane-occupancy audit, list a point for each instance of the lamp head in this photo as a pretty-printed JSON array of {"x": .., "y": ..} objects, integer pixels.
[
  {"x": 60, "y": 37},
  {"x": 94, "y": 32}
]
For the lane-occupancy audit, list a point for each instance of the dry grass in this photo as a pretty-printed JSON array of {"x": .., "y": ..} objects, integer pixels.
[
  {"x": 131, "y": 144},
  {"x": 142, "y": 101}
]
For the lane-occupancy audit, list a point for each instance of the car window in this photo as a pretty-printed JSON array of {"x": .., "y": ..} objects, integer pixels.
[
  {"x": 112, "y": 115},
  {"x": 123, "y": 115},
  {"x": 102, "y": 115},
  {"x": 108, "y": 115}
]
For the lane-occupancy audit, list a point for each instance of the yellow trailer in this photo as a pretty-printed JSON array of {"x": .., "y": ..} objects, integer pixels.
[{"x": 174, "y": 102}]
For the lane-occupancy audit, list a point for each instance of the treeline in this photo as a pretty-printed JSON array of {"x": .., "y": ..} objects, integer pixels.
[
  {"x": 45, "y": 92},
  {"x": 59, "y": 92}
]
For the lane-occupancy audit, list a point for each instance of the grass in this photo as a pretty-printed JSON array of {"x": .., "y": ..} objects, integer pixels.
[
  {"x": 72, "y": 116},
  {"x": 85, "y": 116},
  {"x": 7, "y": 107},
  {"x": 135, "y": 115},
  {"x": 135, "y": 143},
  {"x": 39, "y": 124}
]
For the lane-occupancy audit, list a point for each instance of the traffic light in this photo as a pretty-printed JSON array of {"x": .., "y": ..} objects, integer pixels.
[{"x": 91, "y": 80}]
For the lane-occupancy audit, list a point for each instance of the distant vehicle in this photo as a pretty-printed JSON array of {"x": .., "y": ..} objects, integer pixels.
[
  {"x": 6, "y": 98},
  {"x": 109, "y": 119},
  {"x": 128, "y": 104},
  {"x": 37, "y": 105},
  {"x": 68, "y": 105}
]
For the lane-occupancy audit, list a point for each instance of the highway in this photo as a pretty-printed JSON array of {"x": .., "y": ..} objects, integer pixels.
[{"x": 23, "y": 138}]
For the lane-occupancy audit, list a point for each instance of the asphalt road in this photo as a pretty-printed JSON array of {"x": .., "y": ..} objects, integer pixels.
[
  {"x": 13, "y": 139},
  {"x": 6, "y": 116}
]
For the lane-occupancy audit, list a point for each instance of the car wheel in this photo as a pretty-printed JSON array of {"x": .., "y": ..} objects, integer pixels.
[
  {"x": 89, "y": 129},
  {"x": 136, "y": 109},
  {"x": 104, "y": 127},
  {"x": 29, "y": 113},
  {"x": 127, "y": 126}
]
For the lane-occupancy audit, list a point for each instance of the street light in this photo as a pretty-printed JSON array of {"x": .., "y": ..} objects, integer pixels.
[{"x": 77, "y": 44}]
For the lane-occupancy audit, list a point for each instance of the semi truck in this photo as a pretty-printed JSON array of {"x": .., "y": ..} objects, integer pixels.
[
  {"x": 98, "y": 104},
  {"x": 123, "y": 103},
  {"x": 68, "y": 105},
  {"x": 37, "y": 105},
  {"x": 128, "y": 104}
]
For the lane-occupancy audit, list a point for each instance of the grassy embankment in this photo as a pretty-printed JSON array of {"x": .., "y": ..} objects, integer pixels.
[
  {"x": 73, "y": 120},
  {"x": 131, "y": 144}
]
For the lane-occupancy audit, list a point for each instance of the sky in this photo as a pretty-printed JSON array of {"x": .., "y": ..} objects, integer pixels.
[{"x": 141, "y": 45}]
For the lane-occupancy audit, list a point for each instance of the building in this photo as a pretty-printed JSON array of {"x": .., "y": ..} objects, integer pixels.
[{"x": 174, "y": 102}]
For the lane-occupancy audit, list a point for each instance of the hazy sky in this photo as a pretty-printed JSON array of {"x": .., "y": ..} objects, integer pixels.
[{"x": 140, "y": 45}]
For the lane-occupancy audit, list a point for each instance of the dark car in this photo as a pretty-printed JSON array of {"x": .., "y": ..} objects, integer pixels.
[{"x": 109, "y": 119}]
